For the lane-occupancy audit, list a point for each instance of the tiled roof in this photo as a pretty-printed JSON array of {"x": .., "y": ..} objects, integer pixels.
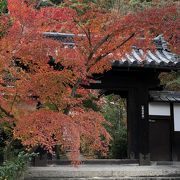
[
  {"x": 165, "y": 96},
  {"x": 67, "y": 39},
  {"x": 161, "y": 58}
]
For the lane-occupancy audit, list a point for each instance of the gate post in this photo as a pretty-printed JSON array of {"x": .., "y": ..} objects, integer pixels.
[{"x": 138, "y": 125}]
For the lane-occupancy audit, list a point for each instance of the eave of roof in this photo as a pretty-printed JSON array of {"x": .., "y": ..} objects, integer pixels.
[
  {"x": 164, "y": 96},
  {"x": 159, "y": 59}
]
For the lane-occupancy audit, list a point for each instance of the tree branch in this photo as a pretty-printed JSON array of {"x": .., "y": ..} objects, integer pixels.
[
  {"x": 99, "y": 44},
  {"x": 14, "y": 99},
  {"x": 53, "y": 103},
  {"x": 6, "y": 113},
  {"x": 73, "y": 92},
  {"x": 87, "y": 33},
  {"x": 110, "y": 51}
]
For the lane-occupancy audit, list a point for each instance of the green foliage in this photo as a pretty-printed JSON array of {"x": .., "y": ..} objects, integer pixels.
[
  {"x": 12, "y": 170},
  {"x": 3, "y": 6},
  {"x": 5, "y": 136},
  {"x": 127, "y": 6},
  {"x": 118, "y": 148},
  {"x": 115, "y": 112},
  {"x": 56, "y": 1},
  {"x": 80, "y": 6},
  {"x": 171, "y": 81},
  {"x": 91, "y": 104},
  {"x": 9, "y": 147},
  {"x": 124, "y": 6}
]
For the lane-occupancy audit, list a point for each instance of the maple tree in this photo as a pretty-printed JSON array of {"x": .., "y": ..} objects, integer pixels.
[{"x": 36, "y": 70}]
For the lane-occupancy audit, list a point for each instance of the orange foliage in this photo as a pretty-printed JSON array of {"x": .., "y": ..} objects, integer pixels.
[{"x": 27, "y": 78}]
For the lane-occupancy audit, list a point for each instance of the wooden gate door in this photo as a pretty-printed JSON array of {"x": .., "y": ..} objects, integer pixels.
[{"x": 160, "y": 139}]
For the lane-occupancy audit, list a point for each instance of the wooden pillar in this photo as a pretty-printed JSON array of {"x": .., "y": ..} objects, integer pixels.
[
  {"x": 144, "y": 154},
  {"x": 138, "y": 125},
  {"x": 132, "y": 125}
]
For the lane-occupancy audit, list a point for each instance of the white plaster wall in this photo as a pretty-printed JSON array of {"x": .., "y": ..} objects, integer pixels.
[
  {"x": 159, "y": 108},
  {"x": 177, "y": 117}
]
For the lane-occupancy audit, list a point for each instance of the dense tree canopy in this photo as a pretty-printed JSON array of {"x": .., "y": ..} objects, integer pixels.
[{"x": 27, "y": 77}]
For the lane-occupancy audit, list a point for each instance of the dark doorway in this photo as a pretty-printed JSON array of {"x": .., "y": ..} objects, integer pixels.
[
  {"x": 160, "y": 139},
  {"x": 115, "y": 112}
]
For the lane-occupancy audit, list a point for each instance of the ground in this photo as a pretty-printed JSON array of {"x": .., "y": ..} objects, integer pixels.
[{"x": 105, "y": 172}]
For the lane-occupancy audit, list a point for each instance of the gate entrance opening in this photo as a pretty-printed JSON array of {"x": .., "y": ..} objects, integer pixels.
[{"x": 114, "y": 111}]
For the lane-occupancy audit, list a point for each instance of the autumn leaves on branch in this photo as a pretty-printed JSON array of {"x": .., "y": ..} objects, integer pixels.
[{"x": 27, "y": 78}]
